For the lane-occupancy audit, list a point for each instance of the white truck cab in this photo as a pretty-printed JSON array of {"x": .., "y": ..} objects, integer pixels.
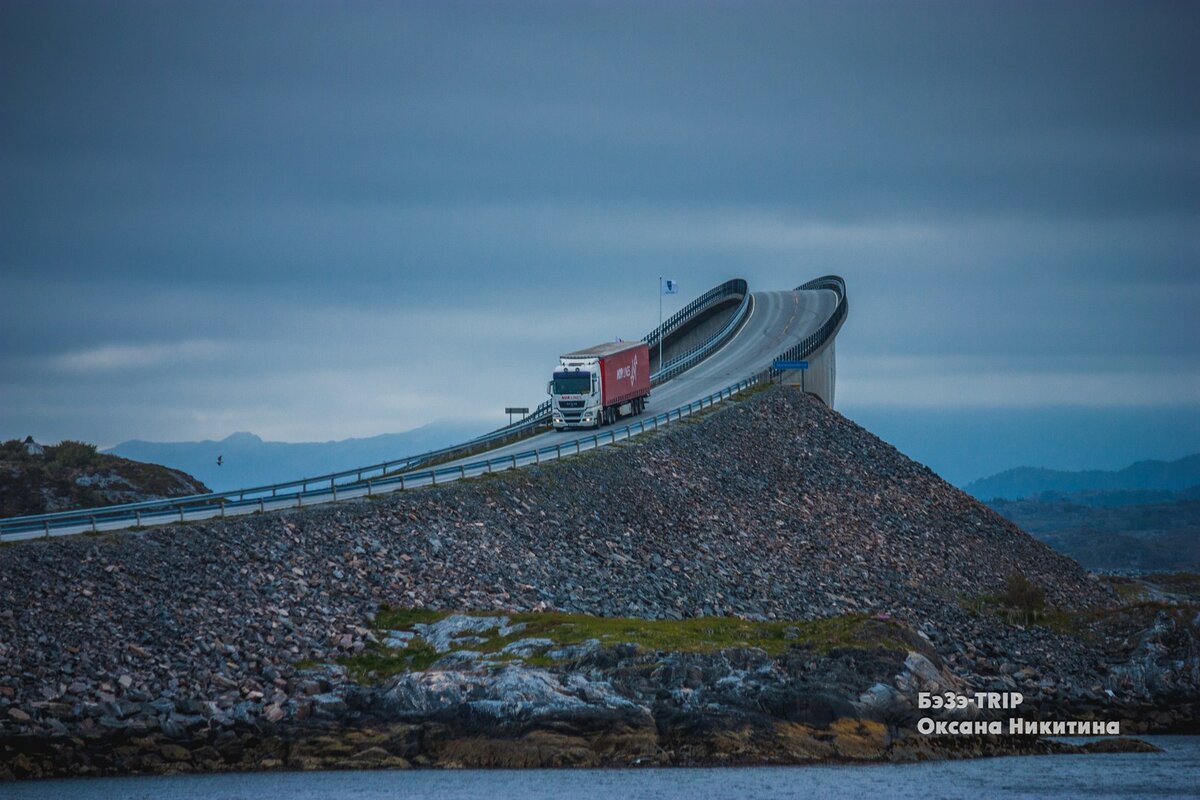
[{"x": 599, "y": 385}]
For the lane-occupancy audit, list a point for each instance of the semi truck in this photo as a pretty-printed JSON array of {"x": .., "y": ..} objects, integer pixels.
[{"x": 598, "y": 385}]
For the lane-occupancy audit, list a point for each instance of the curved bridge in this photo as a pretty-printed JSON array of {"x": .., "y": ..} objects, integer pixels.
[{"x": 718, "y": 345}]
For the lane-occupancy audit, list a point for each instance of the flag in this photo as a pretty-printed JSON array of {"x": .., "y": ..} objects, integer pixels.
[{"x": 670, "y": 287}]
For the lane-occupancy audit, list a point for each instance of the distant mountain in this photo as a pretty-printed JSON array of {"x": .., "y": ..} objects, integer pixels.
[
  {"x": 1160, "y": 476},
  {"x": 1105, "y": 531},
  {"x": 249, "y": 461}
]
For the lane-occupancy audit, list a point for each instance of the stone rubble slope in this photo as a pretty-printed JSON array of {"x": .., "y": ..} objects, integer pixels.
[{"x": 774, "y": 507}]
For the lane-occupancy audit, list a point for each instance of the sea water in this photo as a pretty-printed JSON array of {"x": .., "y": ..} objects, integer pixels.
[{"x": 1175, "y": 772}]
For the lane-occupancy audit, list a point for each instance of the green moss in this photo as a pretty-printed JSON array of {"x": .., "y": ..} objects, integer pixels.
[
  {"x": 703, "y": 635},
  {"x": 377, "y": 662},
  {"x": 403, "y": 619},
  {"x": 1004, "y": 608}
]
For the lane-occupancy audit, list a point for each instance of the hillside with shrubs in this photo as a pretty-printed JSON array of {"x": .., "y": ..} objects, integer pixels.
[{"x": 36, "y": 479}]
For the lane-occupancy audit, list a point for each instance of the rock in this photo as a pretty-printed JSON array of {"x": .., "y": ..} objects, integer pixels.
[
  {"x": 175, "y": 752},
  {"x": 879, "y": 696},
  {"x": 329, "y": 706},
  {"x": 398, "y": 638},
  {"x": 526, "y": 647},
  {"x": 444, "y": 634},
  {"x": 1120, "y": 745}
]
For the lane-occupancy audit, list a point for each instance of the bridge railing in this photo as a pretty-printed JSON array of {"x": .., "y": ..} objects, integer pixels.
[
  {"x": 816, "y": 340},
  {"x": 220, "y": 506}
]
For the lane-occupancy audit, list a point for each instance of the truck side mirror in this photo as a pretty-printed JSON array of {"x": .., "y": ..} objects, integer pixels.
[{"x": 550, "y": 387}]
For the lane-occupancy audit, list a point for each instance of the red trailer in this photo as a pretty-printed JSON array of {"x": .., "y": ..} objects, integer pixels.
[{"x": 597, "y": 385}]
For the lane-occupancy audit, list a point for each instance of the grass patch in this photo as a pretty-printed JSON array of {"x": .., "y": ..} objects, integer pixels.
[
  {"x": 377, "y": 662},
  {"x": 698, "y": 635},
  {"x": 403, "y": 619},
  {"x": 1128, "y": 589},
  {"x": 1021, "y": 603},
  {"x": 701, "y": 634}
]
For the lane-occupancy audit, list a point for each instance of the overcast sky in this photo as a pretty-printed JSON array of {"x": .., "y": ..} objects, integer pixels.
[{"x": 316, "y": 221}]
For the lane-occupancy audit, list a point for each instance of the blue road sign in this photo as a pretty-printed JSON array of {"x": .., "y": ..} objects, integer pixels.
[{"x": 790, "y": 365}]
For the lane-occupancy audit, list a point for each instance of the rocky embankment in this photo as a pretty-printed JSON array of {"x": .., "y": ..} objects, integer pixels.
[
  {"x": 37, "y": 479},
  {"x": 256, "y": 642}
]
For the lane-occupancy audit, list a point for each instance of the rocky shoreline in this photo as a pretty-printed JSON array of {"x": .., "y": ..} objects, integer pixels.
[
  {"x": 251, "y": 643},
  {"x": 594, "y": 705}
]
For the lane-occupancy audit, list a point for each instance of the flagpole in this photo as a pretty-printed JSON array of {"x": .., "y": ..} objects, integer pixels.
[{"x": 660, "y": 332}]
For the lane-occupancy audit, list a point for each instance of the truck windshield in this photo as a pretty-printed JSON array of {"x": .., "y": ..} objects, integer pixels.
[{"x": 573, "y": 384}]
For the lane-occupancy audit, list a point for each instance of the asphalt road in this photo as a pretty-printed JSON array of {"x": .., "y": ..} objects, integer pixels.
[{"x": 777, "y": 321}]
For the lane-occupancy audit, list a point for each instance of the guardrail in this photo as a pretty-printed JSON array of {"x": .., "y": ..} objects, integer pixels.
[
  {"x": 816, "y": 340},
  {"x": 341, "y": 483},
  {"x": 674, "y": 366},
  {"x": 118, "y": 517},
  {"x": 685, "y": 360}
]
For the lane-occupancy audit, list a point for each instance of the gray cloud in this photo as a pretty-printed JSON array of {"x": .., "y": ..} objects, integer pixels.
[{"x": 271, "y": 216}]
